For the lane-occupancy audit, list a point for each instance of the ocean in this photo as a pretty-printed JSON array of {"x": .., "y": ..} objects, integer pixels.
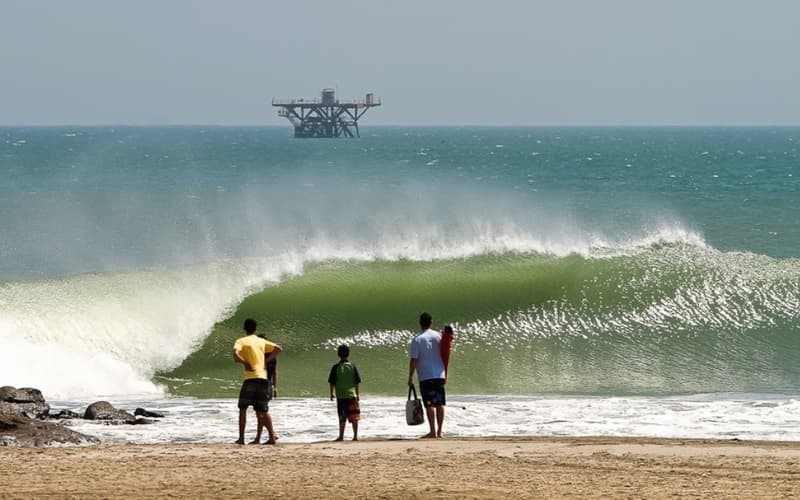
[{"x": 600, "y": 281}]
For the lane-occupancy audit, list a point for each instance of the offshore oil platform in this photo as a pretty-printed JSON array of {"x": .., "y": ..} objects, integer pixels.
[{"x": 325, "y": 116}]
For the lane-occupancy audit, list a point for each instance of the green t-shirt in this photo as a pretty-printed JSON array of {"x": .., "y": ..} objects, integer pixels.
[{"x": 344, "y": 377}]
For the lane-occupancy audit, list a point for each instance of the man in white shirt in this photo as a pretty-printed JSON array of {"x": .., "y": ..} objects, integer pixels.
[{"x": 426, "y": 359}]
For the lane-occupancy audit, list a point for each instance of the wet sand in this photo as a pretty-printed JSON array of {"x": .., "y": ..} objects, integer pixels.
[{"x": 441, "y": 468}]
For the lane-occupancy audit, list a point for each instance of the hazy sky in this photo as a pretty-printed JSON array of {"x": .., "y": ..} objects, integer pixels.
[{"x": 556, "y": 62}]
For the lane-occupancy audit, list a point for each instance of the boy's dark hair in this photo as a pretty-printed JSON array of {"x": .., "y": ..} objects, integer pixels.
[
  {"x": 425, "y": 320},
  {"x": 343, "y": 351},
  {"x": 250, "y": 325},
  {"x": 448, "y": 329}
]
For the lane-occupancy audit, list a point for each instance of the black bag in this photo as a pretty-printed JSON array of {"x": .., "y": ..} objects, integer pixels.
[{"x": 414, "y": 413}]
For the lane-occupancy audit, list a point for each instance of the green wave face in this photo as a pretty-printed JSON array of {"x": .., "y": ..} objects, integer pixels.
[{"x": 669, "y": 319}]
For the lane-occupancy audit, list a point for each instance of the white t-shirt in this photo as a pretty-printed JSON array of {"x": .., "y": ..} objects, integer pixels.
[{"x": 425, "y": 349}]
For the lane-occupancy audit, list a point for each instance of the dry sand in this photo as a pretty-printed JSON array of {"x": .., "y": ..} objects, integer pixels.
[{"x": 444, "y": 468}]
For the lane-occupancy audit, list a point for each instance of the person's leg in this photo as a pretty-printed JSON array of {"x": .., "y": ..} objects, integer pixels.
[
  {"x": 270, "y": 432},
  {"x": 261, "y": 406},
  {"x": 429, "y": 413},
  {"x": 428, "y": 390},
  {"x": 243, "y": 404},
  {"x": 242, "y": 421},
  {"x": 439, "y": 419},
  {"x": 271, "y": 438},
  {"x": 355, "y": 430},
  {"x": 341, "y": 429},
  {"x": 260, "y": 417}
]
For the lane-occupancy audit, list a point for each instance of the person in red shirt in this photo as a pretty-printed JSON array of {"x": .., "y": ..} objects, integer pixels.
[{"x": 445, "y": 346}]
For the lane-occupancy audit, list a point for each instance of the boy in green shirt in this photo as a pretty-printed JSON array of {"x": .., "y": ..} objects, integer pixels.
[{"x": 344, "y": 379}]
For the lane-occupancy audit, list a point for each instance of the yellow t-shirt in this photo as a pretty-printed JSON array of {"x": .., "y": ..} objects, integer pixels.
[{"x": 253, "y": 349}]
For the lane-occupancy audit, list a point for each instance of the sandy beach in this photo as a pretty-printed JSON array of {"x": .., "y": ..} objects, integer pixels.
[{"x": 447, "y": 468}]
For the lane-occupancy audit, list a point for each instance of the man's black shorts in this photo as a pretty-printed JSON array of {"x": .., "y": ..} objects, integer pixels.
[
  {"x": 255, "y": 392},
  {"x": 432, "y": 392}
]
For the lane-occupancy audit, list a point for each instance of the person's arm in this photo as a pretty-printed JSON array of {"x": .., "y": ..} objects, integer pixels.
[
  {"x": 413, "y": 355},
  {"x": 276, "y": 350},
  {"x": 357, "y": 381},
  {"x": 412, "y": 367},
  {"x": 275, "y": 383},
  {"x": 237, "y": 357},
  {"x": 332, "y": 380}
]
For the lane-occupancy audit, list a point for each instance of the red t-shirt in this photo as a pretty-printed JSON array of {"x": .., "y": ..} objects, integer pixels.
[{"x": 444, "y": 350}]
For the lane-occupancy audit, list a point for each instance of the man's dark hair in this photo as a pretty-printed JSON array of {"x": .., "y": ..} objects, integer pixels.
[
  {"x": 425, "y": 320},
  {"x": 343, "y": 351},
  {"x": 250, "y": 325}
]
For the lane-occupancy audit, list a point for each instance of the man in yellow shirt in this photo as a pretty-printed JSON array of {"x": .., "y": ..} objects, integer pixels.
[{"x": 254, "y": 352}]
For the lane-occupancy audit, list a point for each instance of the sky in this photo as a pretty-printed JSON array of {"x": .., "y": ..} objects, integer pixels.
[{"x": 431, "y": 62}]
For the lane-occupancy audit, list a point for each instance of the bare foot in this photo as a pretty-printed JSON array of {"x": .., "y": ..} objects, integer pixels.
[
  {"x": 239, "y": 441},
  {"x": 355, "y": 439},
  {"x": 269, "y": 441},
  {"x": 255, "y": 441},
  {"x": 429, "y": 435},
  {"x": 340, "y": 438}
]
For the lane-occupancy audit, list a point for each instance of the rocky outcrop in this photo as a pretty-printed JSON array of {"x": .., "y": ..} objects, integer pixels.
[
  {"x": 147, "y": 413},
  {"x": 65, "y": 415},
  {"x": 23, "y": 414},
  {"x": 20, "y": 430},
  {"x": 103, "y": 410},
  {"x": 24, "y": 401}
]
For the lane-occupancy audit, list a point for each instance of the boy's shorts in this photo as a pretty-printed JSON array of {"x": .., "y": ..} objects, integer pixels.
[
  {"x": 255, "y": 392},
  {"x": 348, "y": 409},
  {"x": 432, "y": 392}
]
